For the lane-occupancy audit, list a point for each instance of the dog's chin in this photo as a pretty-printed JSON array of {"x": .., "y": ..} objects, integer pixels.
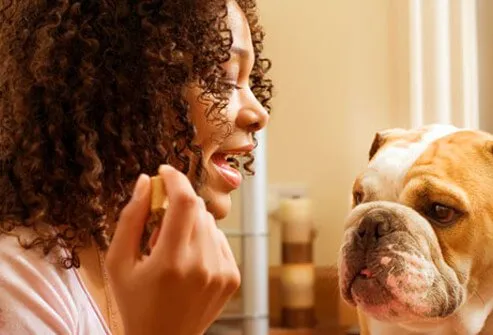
[
  {"x": 382, "y": 302},
  {"x": 407, "y": 289}
]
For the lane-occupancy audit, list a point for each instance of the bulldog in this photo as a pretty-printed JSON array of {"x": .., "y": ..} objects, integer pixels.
[{"x": 417, "y": 250}]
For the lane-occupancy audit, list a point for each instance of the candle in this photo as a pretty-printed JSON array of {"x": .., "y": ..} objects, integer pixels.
[
  {"x": 298, "y": 270},
  {"x": 296, "y": 217}
]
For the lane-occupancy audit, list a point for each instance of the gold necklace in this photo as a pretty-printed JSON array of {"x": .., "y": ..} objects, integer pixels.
[{"x": 112, "y": 323}]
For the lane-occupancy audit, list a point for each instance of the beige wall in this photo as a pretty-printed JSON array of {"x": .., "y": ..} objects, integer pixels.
[{"x": 332, "y": 81}]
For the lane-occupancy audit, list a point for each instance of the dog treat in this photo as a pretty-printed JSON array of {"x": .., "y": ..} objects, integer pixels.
[
  {"x": 159, "y": 204},
  {"x": 159, "y": 201},
  {"x": 159, "y": 198}
]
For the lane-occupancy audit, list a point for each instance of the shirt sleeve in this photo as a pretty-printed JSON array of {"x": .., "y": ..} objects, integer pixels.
[{"x": 34, "y": 296}]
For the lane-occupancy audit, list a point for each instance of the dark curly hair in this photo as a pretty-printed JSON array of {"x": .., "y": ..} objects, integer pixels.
[{"x": 91, "y": 96}]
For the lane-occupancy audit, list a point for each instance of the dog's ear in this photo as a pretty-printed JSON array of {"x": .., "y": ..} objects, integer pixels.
[
  {"x": 386, "y": 136},
  {"x": 378, "y": 142},
  {"x": 489, "y": 146}
]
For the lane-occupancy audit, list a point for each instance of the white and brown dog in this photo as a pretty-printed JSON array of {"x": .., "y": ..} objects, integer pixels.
[{"x": 417, "y": 252}]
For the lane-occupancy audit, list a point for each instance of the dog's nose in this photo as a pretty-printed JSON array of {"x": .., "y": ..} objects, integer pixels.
[{"x": 375, "y": 224}]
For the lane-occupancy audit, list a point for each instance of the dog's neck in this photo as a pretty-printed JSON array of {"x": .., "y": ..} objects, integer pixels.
[{"x": 470, "y": 319}]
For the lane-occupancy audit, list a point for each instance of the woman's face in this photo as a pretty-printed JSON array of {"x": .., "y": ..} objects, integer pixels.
[{"x": 244, "y": 113}]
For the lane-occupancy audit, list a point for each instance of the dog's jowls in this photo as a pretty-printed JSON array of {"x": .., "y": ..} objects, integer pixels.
[{"x": 417, "y": 252}]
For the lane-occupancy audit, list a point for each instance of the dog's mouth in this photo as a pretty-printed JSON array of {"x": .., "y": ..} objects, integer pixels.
[
  {"x": 364, "y": 282},
  {"x": 373, "y": 288},
  {"x": 363, "y": 275},
  {"x": 363, "y": 271},
  {"x": 396, "y": 285}
]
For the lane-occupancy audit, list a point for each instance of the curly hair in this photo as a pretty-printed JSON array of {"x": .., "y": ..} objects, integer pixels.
[{"x": 91, "y": 96}]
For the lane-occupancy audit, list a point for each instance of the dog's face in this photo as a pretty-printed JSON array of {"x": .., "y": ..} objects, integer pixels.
[{"x": 420, "y": 234}]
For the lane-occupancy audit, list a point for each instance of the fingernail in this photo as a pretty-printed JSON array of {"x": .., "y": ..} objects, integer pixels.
[
  {"x": 139, "y": 188},
  {"x": 163, "y": 168}
]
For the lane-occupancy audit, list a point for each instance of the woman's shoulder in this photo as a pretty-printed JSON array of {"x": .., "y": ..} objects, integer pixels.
[
  {"x": 37, "y": 293},
  {"x": 31, "y": 264}
]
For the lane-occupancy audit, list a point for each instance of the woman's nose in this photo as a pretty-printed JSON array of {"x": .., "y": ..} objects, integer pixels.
[{"x": 252, "y": 115}]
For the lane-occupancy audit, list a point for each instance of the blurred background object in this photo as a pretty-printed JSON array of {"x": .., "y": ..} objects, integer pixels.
[{"x": 342, "y": 70}]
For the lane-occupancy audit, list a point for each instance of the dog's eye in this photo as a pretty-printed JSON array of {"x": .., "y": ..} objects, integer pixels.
[
  {"x": 442, "y": 214},
  {"x": 358, "y": 197}
]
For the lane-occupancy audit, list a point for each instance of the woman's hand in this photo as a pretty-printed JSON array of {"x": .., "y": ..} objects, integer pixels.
[{"x": 183, "y": 285}]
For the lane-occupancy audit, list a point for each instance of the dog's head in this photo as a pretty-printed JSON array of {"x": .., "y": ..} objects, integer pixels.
[{"x": 420, "y": 235}]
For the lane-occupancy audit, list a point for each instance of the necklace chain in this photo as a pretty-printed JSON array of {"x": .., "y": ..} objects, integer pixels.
[{"x": 107, "y": 292}]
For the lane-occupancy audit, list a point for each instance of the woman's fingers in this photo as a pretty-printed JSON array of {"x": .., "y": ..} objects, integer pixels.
[
  {"x": 230, "y": 267},
  {"x": 191, "y": 271},
  {"x": 124, "y": 249},
  {"x": 181, "y": 214}
]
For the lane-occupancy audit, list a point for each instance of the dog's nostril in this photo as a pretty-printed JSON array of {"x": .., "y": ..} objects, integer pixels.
[
  {"x": 375, "y": 225},
  {"x": 361, "y": 230},
  {"x": 383, "y": 228}
]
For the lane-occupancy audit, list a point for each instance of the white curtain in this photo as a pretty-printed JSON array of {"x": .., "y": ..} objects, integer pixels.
[{"x": 436, "y": 62}]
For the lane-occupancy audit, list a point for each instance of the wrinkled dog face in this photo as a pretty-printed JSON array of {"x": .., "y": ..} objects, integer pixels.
[
  {"x": 406, "y": 242},
  {"x": 392, "y": 265}
]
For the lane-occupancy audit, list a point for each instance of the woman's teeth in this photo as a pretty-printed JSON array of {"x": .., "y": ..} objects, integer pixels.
[
  {"x": 233, "y": 161},
  {"x": 228, "y": 166}
]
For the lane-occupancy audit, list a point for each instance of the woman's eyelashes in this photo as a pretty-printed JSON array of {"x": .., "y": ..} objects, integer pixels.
[
  {"x": 232, "y": 77},
  {"x": 232, "y": 85}
]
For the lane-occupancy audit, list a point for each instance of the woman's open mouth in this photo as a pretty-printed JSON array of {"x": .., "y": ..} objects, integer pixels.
[{"x": 228, "y": 167}]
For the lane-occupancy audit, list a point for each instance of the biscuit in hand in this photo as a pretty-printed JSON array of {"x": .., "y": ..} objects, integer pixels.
[
  {"x": 159, "y": 204},
  {"x": 159, "y": 201}
]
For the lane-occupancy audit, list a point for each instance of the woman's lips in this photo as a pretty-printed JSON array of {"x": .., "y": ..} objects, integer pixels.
[{"x": 231, "y": 175}]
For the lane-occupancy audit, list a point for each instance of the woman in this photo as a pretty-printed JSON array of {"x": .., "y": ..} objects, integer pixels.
[{"x": 95, "y": 95}]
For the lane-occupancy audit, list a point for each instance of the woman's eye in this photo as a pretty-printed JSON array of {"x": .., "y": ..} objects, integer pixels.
[
  {"x": 231, "y": 84},
  {"x": 235, "y": 86},
  {"x": 232, "y": 75},
  {"x": 442, "y": 214}
]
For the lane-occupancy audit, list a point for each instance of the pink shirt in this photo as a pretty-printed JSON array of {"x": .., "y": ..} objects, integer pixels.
[{"x": 38, "y": 297}]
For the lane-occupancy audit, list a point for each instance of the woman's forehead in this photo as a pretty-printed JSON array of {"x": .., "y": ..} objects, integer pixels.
[{"x": 238, "y": 25}]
